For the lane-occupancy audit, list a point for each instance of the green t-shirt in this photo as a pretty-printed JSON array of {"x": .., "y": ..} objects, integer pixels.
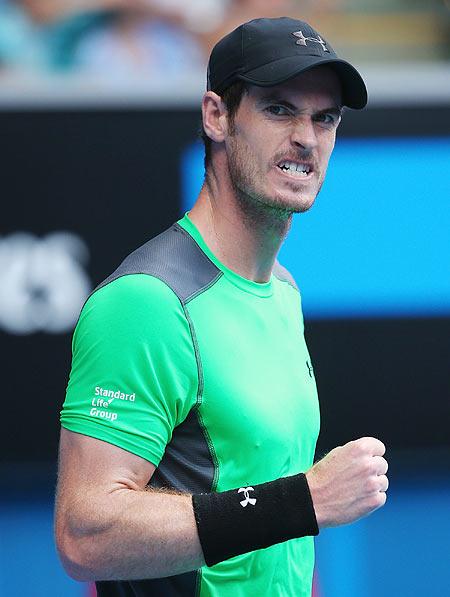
[{"x": 206, "y": 374}]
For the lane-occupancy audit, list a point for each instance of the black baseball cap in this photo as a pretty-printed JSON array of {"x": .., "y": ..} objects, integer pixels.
[{"x": 266, "y": 52}]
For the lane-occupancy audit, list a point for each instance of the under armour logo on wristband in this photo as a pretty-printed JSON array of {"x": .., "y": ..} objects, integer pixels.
[{"x": 248, "y": 499}]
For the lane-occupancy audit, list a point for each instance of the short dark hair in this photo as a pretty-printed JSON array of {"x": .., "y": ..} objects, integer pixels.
[{"x": 231, "y": 97}]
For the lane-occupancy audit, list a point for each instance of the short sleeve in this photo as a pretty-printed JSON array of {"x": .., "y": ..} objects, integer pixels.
[{"x": 134, "y": 373}]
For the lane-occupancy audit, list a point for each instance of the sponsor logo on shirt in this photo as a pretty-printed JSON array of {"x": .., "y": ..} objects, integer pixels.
[{"x": 102, "y": 400}]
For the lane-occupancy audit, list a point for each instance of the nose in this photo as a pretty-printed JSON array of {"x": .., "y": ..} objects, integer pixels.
[{"x": 303, "y": 133}]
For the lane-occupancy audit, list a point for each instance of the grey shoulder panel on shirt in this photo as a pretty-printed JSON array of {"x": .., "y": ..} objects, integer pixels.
[
  {"x": 175, "y": 258},
  {"x": 283, "y": 274}
]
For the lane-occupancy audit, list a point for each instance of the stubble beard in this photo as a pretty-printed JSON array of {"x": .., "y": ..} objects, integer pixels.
[{"x": 254, "y": 203}]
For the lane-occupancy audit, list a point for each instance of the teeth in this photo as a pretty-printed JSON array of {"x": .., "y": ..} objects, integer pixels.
[{"x": 294, "y": 168}]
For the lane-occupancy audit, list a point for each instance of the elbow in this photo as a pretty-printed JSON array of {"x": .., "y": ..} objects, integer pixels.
[{"x": 77, "y": 557}]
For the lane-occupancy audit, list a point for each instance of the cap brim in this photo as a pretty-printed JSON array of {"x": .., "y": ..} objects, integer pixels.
[{"x": 354, "y": 92}]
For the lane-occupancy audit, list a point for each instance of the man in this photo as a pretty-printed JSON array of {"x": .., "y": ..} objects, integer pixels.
[{"x": 191, "y": 414}]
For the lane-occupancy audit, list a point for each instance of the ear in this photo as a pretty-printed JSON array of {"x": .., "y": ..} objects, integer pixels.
[{"x": 214, "y": 116}]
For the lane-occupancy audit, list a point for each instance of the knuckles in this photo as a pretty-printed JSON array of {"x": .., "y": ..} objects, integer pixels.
[
  {"x": 384, "y": 482},
  {"x": 383, "y": 465},
  {"x": 359, "y": 480},
  {"x": 367, "y": 445},
  {"x": 373, "y": 485},
  {"x": 381, "y": 499},
  {"x": 369, "y": 465},
  {"x": 375, "y": 501}
]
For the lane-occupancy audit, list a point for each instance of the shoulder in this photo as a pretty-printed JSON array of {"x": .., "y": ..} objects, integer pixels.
[
  {"x": 131, "y": 293},
  {"x": 129, "y": 310},
  {"x": 175, "y": 259},
  {"x": 151, "y": 286}
]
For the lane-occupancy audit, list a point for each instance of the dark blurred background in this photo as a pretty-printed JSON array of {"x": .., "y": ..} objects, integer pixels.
[{"x": 99, "y": 119}]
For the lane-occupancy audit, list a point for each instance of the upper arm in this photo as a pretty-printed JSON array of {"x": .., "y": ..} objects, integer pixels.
[
  {"x": 92, "y": 473},
  {"x": 134, "y": 375},
  {"x": 87, "y": 464},
  {"x": 133, "y": 379}
]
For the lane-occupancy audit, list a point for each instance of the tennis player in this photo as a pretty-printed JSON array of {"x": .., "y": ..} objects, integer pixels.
[{"x": 191, "y": 415}]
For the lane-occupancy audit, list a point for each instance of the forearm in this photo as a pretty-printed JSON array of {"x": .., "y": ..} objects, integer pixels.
[{"x": 129, "y": 534}]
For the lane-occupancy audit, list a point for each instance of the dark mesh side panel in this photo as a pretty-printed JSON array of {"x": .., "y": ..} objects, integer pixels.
[
  {"x": 173, "y": 257},
  {"x": 187, "y": 464},
  {"x": 282, "y": 274}
]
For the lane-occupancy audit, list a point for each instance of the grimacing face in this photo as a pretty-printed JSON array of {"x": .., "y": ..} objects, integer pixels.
[{"x": 281, "y": 139}]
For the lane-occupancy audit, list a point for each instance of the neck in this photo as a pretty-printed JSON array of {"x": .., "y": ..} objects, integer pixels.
[{"x": 245, "y": 235}]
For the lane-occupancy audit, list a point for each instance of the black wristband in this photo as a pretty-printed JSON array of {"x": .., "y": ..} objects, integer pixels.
[{"x": 234, "y": 522}]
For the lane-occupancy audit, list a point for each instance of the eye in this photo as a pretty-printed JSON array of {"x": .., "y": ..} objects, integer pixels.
[
  {"x": 327, "y": 118},
  {"x": 277, "y": 110}
]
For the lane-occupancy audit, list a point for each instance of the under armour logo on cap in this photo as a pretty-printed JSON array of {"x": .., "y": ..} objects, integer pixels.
[
  {"x": 248, "y": 499},
  {"x": 301, "y": 41}
]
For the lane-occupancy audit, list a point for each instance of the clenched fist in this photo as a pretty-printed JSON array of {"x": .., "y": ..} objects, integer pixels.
[{"x": 348, "y": 483}]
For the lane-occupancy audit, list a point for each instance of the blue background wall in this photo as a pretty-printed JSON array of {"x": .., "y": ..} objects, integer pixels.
[{"x": 377, "y": 241}]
